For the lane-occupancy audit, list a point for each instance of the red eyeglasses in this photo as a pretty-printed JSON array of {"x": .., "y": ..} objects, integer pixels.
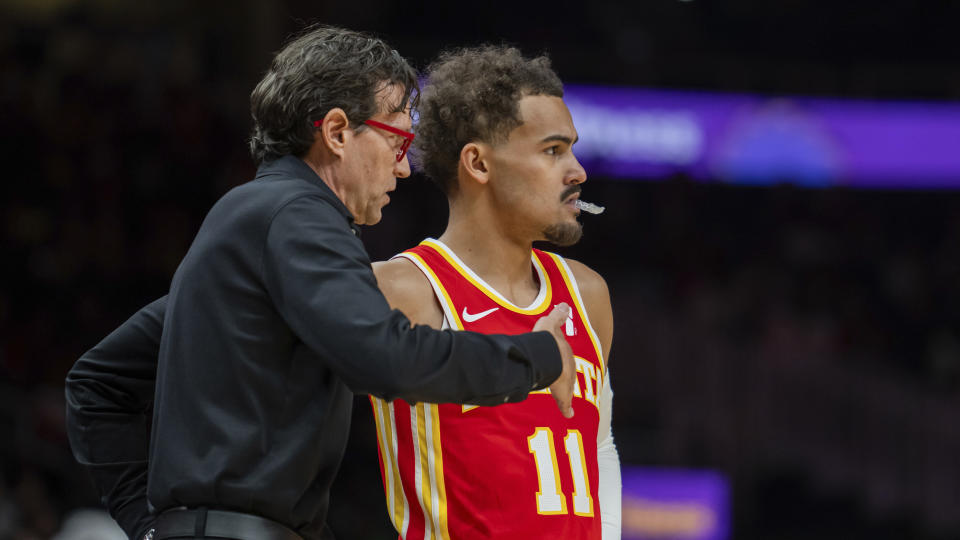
[{"x": 407, "y": 136}]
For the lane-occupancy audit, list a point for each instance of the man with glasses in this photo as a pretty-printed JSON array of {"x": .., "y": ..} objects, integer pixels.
[
  {"x": 496, "y": 136},
  {"x": 274, "y": 320}
]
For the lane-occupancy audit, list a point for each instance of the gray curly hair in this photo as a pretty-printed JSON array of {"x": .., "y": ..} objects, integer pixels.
[{"x": 322, "y": 68}]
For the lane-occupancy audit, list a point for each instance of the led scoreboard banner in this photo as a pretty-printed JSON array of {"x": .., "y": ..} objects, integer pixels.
[
  {"x": 675, "y": 504},
  {"x": 750, "y": 139}
]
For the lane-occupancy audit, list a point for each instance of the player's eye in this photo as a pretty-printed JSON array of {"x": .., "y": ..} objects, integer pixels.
[{"x": 553, "y": 150}]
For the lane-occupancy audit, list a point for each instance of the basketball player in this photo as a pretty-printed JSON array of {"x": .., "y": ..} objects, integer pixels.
[{"x": 495, "y": 134}]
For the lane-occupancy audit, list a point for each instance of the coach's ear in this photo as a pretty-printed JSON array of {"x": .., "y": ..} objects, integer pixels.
[
  {"x": 473, "y": 162},
  {"x": 332, "y": 131}
]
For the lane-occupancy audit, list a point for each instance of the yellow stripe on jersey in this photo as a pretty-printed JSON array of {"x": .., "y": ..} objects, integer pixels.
[
  {"x": 396, "y": 501},
  {"x": 492, "y": 294},
  {"x": 434, "y": 497},
  {"x": 438, "y": 472},
  {"x": 384, "y": 457},
  {"x": 570, "y": 281},
  {"x": 451, "y": 310},
  {"x": 421, "y": 469},
  {"x": 403, "y": 510}
]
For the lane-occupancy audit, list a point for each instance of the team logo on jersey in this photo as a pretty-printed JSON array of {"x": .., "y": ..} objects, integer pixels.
[
  {"x": 471, "y": 317},
  {"x": 568, "y": 328}
]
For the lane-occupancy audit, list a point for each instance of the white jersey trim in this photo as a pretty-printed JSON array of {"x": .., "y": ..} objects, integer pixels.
[
  {"x": 541, "y": 295},
  {"x": 448, "y": 318},
  {"x": 582, "y": 308}
]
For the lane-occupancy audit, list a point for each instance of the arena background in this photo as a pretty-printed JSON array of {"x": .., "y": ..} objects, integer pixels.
[{"x": 805, "y": 343}]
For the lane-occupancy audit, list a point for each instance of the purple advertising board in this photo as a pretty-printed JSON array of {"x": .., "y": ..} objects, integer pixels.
[
  {"x": 752, "y": 139},
  {"x": 675, "y": 504}
]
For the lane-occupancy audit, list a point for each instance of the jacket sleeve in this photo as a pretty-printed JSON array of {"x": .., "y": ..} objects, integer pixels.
[
  {"x": 109, "y": 393},
  {"x": 320, "y": 280}
]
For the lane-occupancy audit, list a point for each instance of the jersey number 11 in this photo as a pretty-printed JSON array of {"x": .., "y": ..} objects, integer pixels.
[{"x": 549, "y": 499}]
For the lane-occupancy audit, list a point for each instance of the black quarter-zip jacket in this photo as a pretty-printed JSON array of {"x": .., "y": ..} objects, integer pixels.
[{"x": 272, "y": 323}]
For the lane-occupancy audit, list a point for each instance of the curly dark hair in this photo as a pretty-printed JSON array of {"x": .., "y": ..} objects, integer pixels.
[
  {"x": 321, "y": 68},
  {"x": 473, "y": 94}
]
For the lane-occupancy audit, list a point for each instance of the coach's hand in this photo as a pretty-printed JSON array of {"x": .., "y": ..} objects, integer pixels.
[{"x": 562, "y": 388}]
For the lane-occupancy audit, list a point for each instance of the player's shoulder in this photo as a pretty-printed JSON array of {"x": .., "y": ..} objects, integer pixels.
[
  {"x": 407, "y": 288},
  {"x": 400, "y": 275},
  {"x": 596, "y": 299},
  {"x": 589, "y": 281}
]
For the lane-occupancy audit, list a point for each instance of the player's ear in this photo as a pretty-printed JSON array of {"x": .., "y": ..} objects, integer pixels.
[
  {"x": 330, "y": 134},
  {"x": 473, "y": 161}
]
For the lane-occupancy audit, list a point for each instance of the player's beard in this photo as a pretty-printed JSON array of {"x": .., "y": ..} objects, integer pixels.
[{"x": 563, "y": 234}]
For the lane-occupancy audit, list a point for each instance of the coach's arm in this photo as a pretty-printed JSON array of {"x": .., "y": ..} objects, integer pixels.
[{"x": 109, "y": 394}]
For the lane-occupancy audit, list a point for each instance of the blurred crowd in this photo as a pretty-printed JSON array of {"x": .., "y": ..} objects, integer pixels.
[
  {"x": 804, "y": 342},
  {"x": 108, "y": 173},
  {"x": 786, "y": 336}
]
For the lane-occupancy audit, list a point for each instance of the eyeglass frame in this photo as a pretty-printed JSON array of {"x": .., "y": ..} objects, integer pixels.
[{"x": 407, "y": 136}]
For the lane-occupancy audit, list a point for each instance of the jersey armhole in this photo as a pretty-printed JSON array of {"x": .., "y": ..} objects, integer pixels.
[
  {"x": 581, "y": 307},
  {"x": 450, "y": 319}
]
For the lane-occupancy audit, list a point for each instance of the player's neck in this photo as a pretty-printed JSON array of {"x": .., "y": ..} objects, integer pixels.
[{"x": 502, "y": 261}]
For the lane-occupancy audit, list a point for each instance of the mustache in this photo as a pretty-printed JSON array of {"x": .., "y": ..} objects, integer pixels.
[{"x": 570, "y": 191}]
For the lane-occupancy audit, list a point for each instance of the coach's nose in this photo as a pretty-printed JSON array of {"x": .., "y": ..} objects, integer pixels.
[{"x": 402, "y": 168}]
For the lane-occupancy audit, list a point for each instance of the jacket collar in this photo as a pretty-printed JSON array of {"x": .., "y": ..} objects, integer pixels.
[{"x": 295, "y": 167}]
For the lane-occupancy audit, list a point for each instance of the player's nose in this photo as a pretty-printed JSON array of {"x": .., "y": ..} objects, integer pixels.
[{"x": 577, "y": 174}]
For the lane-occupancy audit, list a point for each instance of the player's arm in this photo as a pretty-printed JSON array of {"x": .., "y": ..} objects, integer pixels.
[
  {"x": 407, "y": 289},
  {"x": 109, "y": 393},
  {"x": 596, "y": 297},
  {"x": 608, "y": 465}
]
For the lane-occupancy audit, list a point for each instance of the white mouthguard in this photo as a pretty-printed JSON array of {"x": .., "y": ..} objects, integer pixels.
[{"x": 589, "y": 207}]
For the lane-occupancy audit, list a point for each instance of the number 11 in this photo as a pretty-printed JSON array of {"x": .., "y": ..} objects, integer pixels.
[{"x": 549, "y": 499}]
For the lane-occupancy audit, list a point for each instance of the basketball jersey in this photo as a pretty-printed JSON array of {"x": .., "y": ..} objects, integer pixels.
[{"x": 514, "y": 471}]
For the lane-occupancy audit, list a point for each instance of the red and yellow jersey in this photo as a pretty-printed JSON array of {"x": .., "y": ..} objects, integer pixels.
[{"x": 515, "y": 471}]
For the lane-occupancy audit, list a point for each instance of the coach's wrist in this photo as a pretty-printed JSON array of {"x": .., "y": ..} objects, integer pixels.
[{"x": 540, "y": 351}]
